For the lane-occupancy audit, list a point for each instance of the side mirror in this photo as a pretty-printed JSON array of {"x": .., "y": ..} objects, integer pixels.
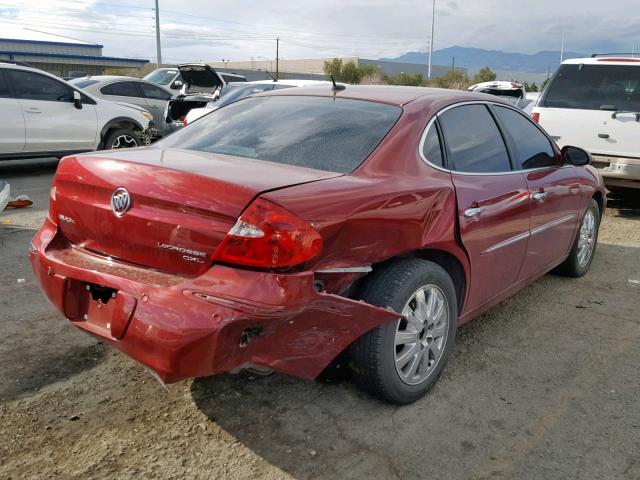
[
  {"x": 575, "y": 156},
  {"x": 77, "y": 100},
  {"x": 177, "y": 84}
]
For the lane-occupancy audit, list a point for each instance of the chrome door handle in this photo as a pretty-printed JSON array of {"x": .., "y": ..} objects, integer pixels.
[
  {"x": 473, "y": 212},
  {"x": 539, "y": 196}
]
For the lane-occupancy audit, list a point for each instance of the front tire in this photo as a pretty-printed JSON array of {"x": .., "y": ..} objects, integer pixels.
[
  {"x": 584, "y": 246},
  {"x": 121, "y": 138},
  {"x": 400, "y": 361}
]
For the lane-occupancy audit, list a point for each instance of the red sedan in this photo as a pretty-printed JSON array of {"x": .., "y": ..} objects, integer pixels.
[{"x": 287, "y": 228}]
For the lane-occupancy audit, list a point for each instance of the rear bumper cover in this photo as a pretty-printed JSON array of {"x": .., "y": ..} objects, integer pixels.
[{"x": 221, "y": 321}]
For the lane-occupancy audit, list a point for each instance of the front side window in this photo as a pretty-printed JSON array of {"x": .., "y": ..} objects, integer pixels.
[
  {"x": 474, "y": 143},
  {"x": 33, "y": 86},
  {"x": 534, "y": 149},
  {"x": 431, "y": 148},
  {"x": 595, "y": 87},
  {"x": 322, "y": 133},
  {"x": 120, "y": 89}
]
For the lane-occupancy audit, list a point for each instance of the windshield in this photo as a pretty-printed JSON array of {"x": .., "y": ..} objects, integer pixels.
[
  {"x": 323, "y": 133},
  {"x": 161, "y": 77},
  {"x": 595, "y": 87},
  {"x": 82, "y": 82}
]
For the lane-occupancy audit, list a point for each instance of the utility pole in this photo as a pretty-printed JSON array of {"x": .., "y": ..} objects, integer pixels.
[
  {"x": 562, "y": 49},
  {"x": 433, "y": 21},
  {"x": 158, "y": 49},
  {"x": 277, "y": 57}
]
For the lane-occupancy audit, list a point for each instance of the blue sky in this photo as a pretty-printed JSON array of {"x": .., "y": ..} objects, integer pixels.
[{"x": 238, "y": 29}]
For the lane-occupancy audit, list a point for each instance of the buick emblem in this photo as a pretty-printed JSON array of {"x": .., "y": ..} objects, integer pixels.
[{"x": 120, "y": 201}]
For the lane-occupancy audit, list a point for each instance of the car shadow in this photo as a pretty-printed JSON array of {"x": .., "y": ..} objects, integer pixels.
[
  {"x": 626, "y": 203},
  {"x": 496, "y": 378},
  {"x": 28, "y": 376}
]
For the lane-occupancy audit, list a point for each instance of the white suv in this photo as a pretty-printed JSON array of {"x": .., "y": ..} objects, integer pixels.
[
  {"x": 594, "y": 103},
  {"x": 43, "y": 116}
]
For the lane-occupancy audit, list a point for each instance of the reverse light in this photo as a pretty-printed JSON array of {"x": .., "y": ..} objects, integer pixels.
[
  {"x": 269, "y": 236},
  {"x": 535, "y": 116},
  {"x": 53, "y": 216}
]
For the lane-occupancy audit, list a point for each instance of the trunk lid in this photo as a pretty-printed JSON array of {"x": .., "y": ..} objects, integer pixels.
[
  {"x": 182, "y": 203},
  {"x": 199, "y": 78}
]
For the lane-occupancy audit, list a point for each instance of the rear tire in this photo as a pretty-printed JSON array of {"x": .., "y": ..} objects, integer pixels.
[
  {"x": 584, "y": 246},
  {"x": 121, "y": 138},
  {"x": 425, "y": 339}
]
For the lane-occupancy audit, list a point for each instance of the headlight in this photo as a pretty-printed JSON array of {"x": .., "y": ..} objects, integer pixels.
[{"x": 147, "y": 115}]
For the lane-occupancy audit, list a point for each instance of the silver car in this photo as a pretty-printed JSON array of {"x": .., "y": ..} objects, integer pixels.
[{"x": 139, "y": 92}]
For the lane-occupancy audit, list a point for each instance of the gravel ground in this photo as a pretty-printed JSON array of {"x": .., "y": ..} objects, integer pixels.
[{"x": 545, "y": 385}]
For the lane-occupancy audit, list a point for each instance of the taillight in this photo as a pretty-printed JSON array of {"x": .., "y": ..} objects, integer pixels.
[
  {"x": 269, "y": 236},
  {"x": 535, "y": 116},
  {"x": 185, "y": 122},
  {"x": 53, "y": 216}
]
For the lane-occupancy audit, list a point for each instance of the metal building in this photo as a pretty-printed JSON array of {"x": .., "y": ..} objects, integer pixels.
[{"x": 62, "y": 56}]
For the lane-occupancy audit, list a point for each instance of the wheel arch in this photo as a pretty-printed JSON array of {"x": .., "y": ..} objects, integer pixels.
[
  {"x": 599, "y": 198},
  {"x": 451, "y": 263},
  {"x": 118, "y": 122}
]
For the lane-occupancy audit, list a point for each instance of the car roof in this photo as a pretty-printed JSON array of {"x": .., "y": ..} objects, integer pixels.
[
  {"x": 604, "y": 60},
  {"x": 393, "y": 95}
]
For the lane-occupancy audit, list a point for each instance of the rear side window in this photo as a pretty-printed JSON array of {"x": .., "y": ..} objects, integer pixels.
[
  {"x": 83, "y": 83},
  {"x": 534, "y": 149},
  {"x": 323, "y": 133},
  {"x": 595, "y": 87},
  {"x": 431, "y": 148},
  {"x": 473, "y": 140},
  {"x": 120, "y": 89},
  {"x": 153, "y": 92},
  {"x": 33, "y": 86},
  {"x": 4, "y": 87}
]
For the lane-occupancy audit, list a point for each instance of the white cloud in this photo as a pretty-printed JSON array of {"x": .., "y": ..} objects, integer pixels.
[{"x": 197, "y": 30}]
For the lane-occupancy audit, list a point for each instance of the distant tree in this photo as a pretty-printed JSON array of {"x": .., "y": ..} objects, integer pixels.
[
  {"x": 412, "y": 79},
  {"x": 348, "y": 72},
  {"x": 455, "y": 79},
  {"x": 484, "y": 75},
  {"x": 544, "y": 84},
  {"x": 534, "y": 87}
]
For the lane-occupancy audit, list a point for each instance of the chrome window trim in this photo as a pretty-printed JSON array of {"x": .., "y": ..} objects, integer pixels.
[{"x": 476, "y": 102}]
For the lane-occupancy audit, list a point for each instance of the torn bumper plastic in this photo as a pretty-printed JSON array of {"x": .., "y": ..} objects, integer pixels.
[{"x": 223, "y": 320}]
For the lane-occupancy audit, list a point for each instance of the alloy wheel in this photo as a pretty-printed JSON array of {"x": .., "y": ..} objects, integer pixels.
[
  {"x": 124, "y": 141},
  {"x": 421, "y": 334},
  {"x": 586, "y": 240}
]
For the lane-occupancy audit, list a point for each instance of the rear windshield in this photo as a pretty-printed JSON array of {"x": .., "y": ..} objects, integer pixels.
[
  {"x": 595, "y": 87},
  {"x": 323, "y": 133},
  {"x": 82, "y": 82},
  {"x": 161, "y": 77}
]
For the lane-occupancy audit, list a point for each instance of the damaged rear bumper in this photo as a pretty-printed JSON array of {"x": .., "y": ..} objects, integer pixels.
[{"x": 221, "y": 321}]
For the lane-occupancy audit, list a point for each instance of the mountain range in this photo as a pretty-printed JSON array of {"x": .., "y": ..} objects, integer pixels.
[{"x": 494, "y": 59}]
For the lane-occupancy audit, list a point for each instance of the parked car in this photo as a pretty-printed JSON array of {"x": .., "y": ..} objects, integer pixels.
[
  {"x": 237, "y": 90},
  {"x": 139, "y": 92},
  {"x": 595, "y": 103},
  {"x": 500, "y": 88},
  {"x": 202, "y": 84},
  {"x": 172, "y": 78},
  {"x": 44, "y": 116},
  {"x": 296, "y": 225}
]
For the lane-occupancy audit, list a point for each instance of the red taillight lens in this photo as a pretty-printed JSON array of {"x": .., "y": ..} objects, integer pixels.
[
  {"x": 185, "y": 122},
  {"x": 535, "y": 117},
  {"x": 268, "y": 236}
]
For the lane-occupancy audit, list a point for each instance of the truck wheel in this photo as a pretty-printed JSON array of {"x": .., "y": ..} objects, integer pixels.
[
  {"x": 584, "y": 246},
  {"x": 121, "y": 138},
  {"x": 400, "y": 361}
]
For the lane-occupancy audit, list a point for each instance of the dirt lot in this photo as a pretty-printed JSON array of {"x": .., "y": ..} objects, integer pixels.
[{"x": 544, "y": 386}]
